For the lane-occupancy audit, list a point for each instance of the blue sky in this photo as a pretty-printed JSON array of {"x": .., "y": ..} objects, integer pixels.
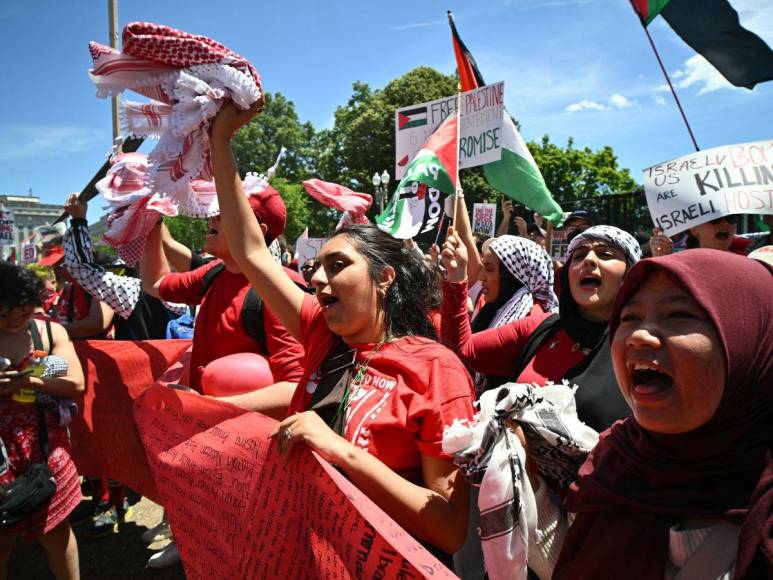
[{"x": 580, "y": 68}]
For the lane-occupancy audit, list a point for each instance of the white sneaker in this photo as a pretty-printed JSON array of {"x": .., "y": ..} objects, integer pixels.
[
  {"x": 169, "y": 556},
  {"x": 155, "y": 534}
]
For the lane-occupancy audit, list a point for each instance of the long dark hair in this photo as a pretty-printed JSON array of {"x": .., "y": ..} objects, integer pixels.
[{"x": 410, "y": 297}]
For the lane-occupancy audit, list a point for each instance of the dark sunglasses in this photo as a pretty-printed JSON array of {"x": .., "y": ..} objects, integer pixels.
[{"x": 731, "y": 219}]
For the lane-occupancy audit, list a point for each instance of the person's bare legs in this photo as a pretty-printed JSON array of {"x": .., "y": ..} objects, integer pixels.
[
  {"x": 62, "y": 551},
  {"x": 7, "y": 542}
]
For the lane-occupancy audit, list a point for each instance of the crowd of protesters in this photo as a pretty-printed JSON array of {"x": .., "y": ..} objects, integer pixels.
[{"x": 670, "y": 358}]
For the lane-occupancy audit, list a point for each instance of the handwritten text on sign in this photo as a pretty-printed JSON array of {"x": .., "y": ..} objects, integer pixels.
[
  {"x": 239, "y": 510},
  {"x": 484, "y": 218},
  {"x": 7, "y": 227},
  {"x": 702, "y": 186},
  {"x": 480, "y": 131}
]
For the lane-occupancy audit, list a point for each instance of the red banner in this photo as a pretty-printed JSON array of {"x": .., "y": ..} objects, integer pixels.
[
  {"x": 105, "y": 441},
  {"x": 238, "y": 510}
]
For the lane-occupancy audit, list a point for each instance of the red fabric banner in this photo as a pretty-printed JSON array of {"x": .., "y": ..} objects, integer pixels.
[
  {"x": 238, "y": 510},
  {"x": 105, "y": 441}
]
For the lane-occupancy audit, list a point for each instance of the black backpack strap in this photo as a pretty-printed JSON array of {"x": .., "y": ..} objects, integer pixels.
[
  {"x": 50, "y": 336},
  {"x": 252, "y": 318},
  {"x": 210, "y": 276},
  {"x": 547, "y": 328},
  {"x": 37, "y": 340}
]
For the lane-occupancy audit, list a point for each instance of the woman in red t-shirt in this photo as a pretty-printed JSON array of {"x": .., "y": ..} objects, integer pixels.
[{"x": 381, "y": 388}]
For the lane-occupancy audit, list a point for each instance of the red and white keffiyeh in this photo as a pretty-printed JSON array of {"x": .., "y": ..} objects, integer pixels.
[
  {"x": 352, "y": 203},
  {"x": 128, "y": 227},
  {"x": 188, "y": 79},
  {"x": 135, "y": 209}
]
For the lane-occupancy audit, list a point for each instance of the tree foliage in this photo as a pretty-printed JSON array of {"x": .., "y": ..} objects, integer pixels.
[
  {"x": 187, "y": 230},
  {"x": 362, "y": 142}
]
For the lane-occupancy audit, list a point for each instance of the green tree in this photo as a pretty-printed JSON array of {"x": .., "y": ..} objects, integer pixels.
[
  {"x": 572, "y": 173},
  {"x": 257, "y": 144},
  {"x": 187, "y": 230}
]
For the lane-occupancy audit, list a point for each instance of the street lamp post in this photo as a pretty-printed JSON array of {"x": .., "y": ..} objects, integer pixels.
[{"x": 381, "y": 185}]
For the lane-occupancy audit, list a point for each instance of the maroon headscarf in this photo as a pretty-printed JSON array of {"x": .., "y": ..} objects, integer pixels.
[{"x": 637, "y": 483}]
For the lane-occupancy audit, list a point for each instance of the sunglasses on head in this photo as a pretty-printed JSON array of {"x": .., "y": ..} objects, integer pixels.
[{"x": 731, "y": 219}]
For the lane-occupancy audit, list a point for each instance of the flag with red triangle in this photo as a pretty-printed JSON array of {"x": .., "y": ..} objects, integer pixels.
[{"x": 417, "y": 204}]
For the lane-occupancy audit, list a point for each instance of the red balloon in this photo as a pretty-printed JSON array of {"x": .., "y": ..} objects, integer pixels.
[{"x": 236, "y": 373}]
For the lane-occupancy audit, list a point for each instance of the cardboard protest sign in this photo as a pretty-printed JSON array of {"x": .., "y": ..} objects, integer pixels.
[
  {"x": 307, "y": 249},
  {"x": 105, "y": 441},
  {"x": 7, "y": 227},
  {"x": 702, "y": 186},
  {"x": 238, "y": 510},
  {"x": 484, "y": 218},
  {"x": 559, "y": 245},
  {"x": 28, "y": 253},
  {"x": 480, "y": 131}
]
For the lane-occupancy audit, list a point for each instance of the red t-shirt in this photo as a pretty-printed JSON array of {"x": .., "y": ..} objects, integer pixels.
[
  {"x": 496, "y": 351},
  {"x": 218, "y": 330},
  {"x": 413, "y": 388}
]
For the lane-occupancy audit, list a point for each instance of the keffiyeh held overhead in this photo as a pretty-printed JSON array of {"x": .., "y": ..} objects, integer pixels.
[
  {"x": 352, "y": 203},
  {"x": 188, "y": 79}
]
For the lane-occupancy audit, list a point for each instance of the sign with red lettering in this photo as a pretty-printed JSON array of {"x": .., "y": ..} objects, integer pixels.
[
  {"x": 7, "y": 227},
  {"x": 239, "y": 510},
  {"x": 480, "y": 129},
  {"x": 702, "y": 186},
  {"x": 484, "y": 218}
]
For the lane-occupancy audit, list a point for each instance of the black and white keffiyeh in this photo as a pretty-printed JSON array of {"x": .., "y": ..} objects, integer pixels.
[
  {"x": 56, "y": 366},
  {"x": 612, "y": 235},
  {"x": 491, "y": 456},
  {"x": 531, "y": 266}
]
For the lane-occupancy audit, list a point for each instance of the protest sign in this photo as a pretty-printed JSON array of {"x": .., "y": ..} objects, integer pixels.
[
  {"x": 480, "y": 131},
  {"x": 484, "y": 218},
  {"x": 105, "y": 441},
  {"x": 7, "y": 227},
  {"x": 28, "y": 253},
  {"x": 307, "y": 249},
  {"x": 702, "y": 186},
  {"x": 239, "y": 510},
  {"x": 558, "y": 245}
]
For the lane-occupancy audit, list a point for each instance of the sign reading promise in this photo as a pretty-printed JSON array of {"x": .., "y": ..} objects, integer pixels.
[
  {"x": 480, "y": 131},
  {"x": 705, "y": 185}
]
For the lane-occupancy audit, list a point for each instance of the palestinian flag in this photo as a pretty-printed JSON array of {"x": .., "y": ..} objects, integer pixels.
[
  {"x": 516, "y": 174},
  {"x": 712, "y": 29},
  {"x": 413, "y": 118},
  {"x": 417, "y": 204}
]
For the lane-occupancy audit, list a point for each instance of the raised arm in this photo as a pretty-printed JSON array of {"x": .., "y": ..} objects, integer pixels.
[
  {"x": 153, "y": 264},
  {"x": 177, "y": 254},
  {"x": 464, "y": 231},
  {"x": 244, "y": 235},
  {"x": 96, "y": 322}
]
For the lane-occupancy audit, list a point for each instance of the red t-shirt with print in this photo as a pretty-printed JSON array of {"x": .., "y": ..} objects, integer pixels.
[
  {"x": 219, "y": 331},
  {"x": 412, "y": 389}
]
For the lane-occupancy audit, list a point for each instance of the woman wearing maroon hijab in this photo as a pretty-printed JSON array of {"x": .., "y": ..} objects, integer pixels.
[{"x": 672, "y": 488}]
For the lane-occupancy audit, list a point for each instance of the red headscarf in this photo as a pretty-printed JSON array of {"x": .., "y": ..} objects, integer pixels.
[{"x": 637, "y": 483}]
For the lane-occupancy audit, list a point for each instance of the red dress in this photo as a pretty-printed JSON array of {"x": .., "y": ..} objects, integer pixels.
[{"x": 19, "y": 432}]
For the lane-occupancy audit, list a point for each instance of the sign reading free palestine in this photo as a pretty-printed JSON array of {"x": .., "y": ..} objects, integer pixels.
[
  {"x": 702, "y": 186},
  {"x": 480, "y": 132}
]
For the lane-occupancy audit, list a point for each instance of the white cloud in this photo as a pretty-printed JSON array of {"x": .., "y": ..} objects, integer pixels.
[
  {"x": 698, "y": 72},
  {"x": 28, "y": 141},
  {"x": 620, "y": 102},
  {"x": 659, "y": 100},
  {"x": 616, "y": 101},
  {"x": 585, "y": 105},
  {"x": 413, "y": 25}
]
